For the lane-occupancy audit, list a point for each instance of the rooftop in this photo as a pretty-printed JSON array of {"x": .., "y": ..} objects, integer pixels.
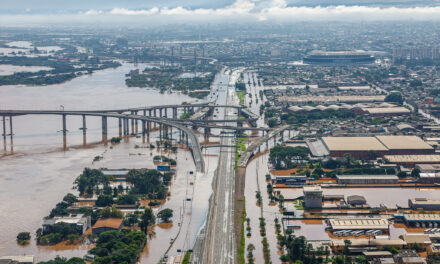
[
  {"x": 422, "y": 217},
  {"x": 386, "y": 110},
  {"x": 359, "y": 223},
  {"x": 23, "y": 258},
  {"x": 370, "y": 242},
  {"x": 109, "y": 222},
  {"x": 388, "y": 177},
  {"x": 403, "y": 142},
  {"x": 412, "y": 158},
  {"x": 315, "y": 188},
  {"x": 424, "y": 201},
  {"x": 353, "y": 144}
]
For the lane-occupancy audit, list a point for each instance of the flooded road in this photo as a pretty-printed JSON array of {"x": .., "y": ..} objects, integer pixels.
[
  {"x": 39, "y": 174},
  {"x": 374, "y": 196}
]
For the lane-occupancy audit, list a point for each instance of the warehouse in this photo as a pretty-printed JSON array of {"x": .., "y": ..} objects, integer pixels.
[
  {"x": 420, "y": 220},
  {"x": 429, "y": 178},
  {"x": 424, "y": 204},
  {"x": 290, "y": 180},
  {"x": 356, "y": 200},
  {"x": 428, "y": 168},
  {"x": 412, "y": 160},
  {"x": 386, "y": 111},
  {"x": 405, "y": 145},
  {"x": 359, "y": 224},
  {"x": 358, "y": 147},
  {"x": 360, "y": 245},
  {"x": 367, "y": 179}
]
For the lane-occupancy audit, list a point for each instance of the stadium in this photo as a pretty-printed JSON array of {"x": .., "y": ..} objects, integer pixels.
[{"x": 338, "y": 57}]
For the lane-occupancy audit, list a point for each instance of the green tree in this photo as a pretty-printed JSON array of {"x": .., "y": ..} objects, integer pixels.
[
  {"x": 23, "y": 238},
  {"x": 147, "y": 219},
  {"x": 104, "y": 200},
  {"x": 165, "y": 214},
  {"x": 415, "y": 173}
]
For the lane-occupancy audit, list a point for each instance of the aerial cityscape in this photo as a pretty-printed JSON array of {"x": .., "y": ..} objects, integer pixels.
[{"x": 239, "y": 132}]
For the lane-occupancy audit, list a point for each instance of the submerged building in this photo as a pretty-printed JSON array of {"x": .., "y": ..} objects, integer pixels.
[{"x": 338, "y": 57}]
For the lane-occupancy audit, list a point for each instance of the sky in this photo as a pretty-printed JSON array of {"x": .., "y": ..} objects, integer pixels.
[{"x": 33, "y": 12}]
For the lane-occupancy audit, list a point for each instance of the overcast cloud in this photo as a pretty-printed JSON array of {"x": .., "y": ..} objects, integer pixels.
[{"x": 240, "y": 10}]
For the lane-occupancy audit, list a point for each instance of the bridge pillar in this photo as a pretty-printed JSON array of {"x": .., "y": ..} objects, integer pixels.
[
  {"x": 84, "y": 129},
  {"x": 132, "y": 124},
  {"x": 10, "y": 130},
  {"x": 186, "y": 140},
  {"x": 64, "y": 132},
  {"x": 274, "y": 139},
  {"x": 4, "y": 131},
  {"x": 207, "y": 131},
  {"x": 120, "y": 126},
  {"x": 171, "y": 133},
  {"x": 143, "y": 129},
  {"x": 160, "y": 132},
  {"x": 174, "y": 113},
  {"x": 289, "y": 134},
  {"x": 166, "y": 111},
  {"x": 125, "y": 121},
  {"x": 136, "y": 124},
  {"x": 104, "y": 129},
  {"x": 145, "y": 112}
]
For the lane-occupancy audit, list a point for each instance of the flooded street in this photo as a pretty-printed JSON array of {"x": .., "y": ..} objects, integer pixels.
[
  {"x": 39, "y": 174},
  {"x": 374, "y": 196},
  {"x": 255, "y": 180}
]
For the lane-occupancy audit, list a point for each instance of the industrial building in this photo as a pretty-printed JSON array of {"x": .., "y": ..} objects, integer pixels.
[
  {"x": 412, "y": 160},
  {"x": 419, "y": 220},
  {"x": 358, "y": 147},
  {"x": 356, "y": 200},
  {"x": 338, "y": 57},
  {"x": 386, "y": 111},
  {"x": 378, "y": 146},
  {"x": 79, "y": 221},
  {"x": 290, "y": 180},
  {"x": 24, "y": 259},
  {"x": 405, "y": 145},
  {"x": 358, "y": 224},
  {"x": 429, "y": 178},
  {"x": 312, "y": 196},
  {"x": 428, "y": 168},
  {"x": 424, "y": 204},
  {"x": 367, "y": 179},
  {"x": 360, "y": 245}
]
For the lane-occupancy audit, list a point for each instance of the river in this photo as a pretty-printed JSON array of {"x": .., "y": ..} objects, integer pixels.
[{"x": 35, "y": 173}]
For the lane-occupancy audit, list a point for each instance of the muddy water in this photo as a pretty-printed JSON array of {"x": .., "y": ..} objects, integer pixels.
[
  {"x": 255, "y": 176},
  {"x": 38, "y": 175},
  {"x": 374, "y": 196}
]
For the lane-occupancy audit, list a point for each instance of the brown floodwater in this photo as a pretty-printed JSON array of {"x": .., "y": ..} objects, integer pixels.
[
  {"x": 256, "y": 179},
  {"x": 39, "y": 173},
  {"x": 374, "y": 196}
]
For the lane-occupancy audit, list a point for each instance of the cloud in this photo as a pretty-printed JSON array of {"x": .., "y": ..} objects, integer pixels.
[
  {"x": 238, "y": 11},
  {"x": 279, "y": 10}
]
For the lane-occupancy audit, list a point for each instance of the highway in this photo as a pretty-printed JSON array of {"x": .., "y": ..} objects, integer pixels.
[{"x": 220, "y": 244}]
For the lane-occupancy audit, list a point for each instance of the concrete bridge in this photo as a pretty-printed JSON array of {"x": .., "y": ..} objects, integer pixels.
[{"x": 185, "y": 134}]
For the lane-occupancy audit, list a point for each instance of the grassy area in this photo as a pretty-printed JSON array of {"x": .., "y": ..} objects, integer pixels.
[
  {"x": 240, "y": 95},
  {"x": 186, "y": 258},
  {"x": 241, "y": 247}
]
